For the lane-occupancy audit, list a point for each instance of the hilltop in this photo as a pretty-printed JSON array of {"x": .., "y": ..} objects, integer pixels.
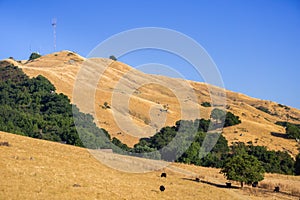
[{"x": 258, "y": 116}]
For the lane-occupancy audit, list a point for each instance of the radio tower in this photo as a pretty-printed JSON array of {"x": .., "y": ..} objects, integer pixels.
[{"x": 54, "y": 32}]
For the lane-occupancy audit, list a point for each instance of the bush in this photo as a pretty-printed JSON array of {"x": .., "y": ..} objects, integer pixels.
[
  {"x": 119, "y": 144},
  {"x": 34, "y": 56},
  {"x": 206, "y": 104},
  {"x": 264, "y": 109},
  {"x": 231, "y": 120},
  {"x": 112, "y": 57},
  {"x": 292, "y": 130},
  {"x": 221, "y": 116}
]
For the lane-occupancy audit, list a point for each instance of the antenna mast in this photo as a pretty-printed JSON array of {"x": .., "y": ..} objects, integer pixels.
[{"x": 54, "y": 32}]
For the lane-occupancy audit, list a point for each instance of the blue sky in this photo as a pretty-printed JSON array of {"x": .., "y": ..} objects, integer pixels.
[{"x": 255, "y": 44}]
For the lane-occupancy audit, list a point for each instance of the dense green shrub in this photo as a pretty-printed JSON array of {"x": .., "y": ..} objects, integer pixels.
[
  {"x": 34, "y": 55},
  {"x": 292, "y": 130},
  {"x": 223, "y": 118},
  {"x": 112, "y": 57},
  {"x": 231, "y": 120},
  {"x": 264, "y": 109},
  {"x": 119, "y": 144},
  {"x": 206, "y": 104}
]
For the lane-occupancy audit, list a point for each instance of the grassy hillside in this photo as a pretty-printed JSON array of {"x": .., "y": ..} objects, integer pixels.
[
  {"x": 258, "y": 116},
  {"x": 38, "y": 169}
]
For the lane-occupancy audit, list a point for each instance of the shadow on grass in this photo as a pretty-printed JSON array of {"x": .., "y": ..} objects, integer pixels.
[
  {"x": 211, "y": 183},
  {"x": 281, "y": 135}
]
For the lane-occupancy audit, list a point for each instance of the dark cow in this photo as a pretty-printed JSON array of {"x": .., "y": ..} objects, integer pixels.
[
  {"x": 162, "y": 188},
  {"x": 163, "y": 175},
  {"x": 254, "y": 184},
  {"x": 228, "y": 184},
  {"x": 276, "y": 189}
]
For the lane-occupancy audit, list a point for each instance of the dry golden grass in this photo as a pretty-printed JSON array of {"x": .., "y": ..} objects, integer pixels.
[
  {"x": 287, "y": 184},
  {"x": 37, "y": 169},
  {"x": 61, "y": 69}
]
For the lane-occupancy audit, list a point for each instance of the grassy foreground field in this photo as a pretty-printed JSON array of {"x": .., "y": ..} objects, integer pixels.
[{"x": 37, "y": 169}]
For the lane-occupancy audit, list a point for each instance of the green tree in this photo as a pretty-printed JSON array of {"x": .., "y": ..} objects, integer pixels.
[
  {"x": 292, "y": 131},
  {"x": 231, "y": 119},
  {"x": 34, "y": 55},
  {"x": 243, "y": 168},
  {"x": 119, "y": 144},
  {"x": 112, "y": 57}
]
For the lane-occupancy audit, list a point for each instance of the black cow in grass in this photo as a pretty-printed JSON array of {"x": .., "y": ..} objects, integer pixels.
[
  {"x": 163, "y": 175},
  {"x": 255, "y": 184}
]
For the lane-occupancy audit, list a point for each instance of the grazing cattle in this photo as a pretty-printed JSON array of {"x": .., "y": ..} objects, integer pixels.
[
  {"x": 197, "y": 179},
  {"x": 163, "y": 175},
  {"x": 276, "y": 189},
  {"x": 228, "y": 185},
  {"x": 162, "y": 188},
  {"x": 76, "y": 185},
  {"x": 254, "y": 184},
  {"x": 4, "y": 144}
]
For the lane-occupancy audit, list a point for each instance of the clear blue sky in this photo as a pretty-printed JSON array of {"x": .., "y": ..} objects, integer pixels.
[{"x": 255, "y": 44}]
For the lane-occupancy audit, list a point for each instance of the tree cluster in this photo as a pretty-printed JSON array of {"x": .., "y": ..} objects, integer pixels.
[
  {"x": 31, "y": 107},
  {"x": 272, "y": 161}
]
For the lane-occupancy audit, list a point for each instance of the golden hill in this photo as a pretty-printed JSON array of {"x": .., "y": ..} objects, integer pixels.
[
  {"x": 38, "y": 169},
  {"x": 61, "y": 68}
]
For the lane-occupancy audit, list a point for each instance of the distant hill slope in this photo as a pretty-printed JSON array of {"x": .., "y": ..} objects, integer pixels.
[
  {"x": 39, "y": 169},
  {"x": 258, "y": 125}
]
